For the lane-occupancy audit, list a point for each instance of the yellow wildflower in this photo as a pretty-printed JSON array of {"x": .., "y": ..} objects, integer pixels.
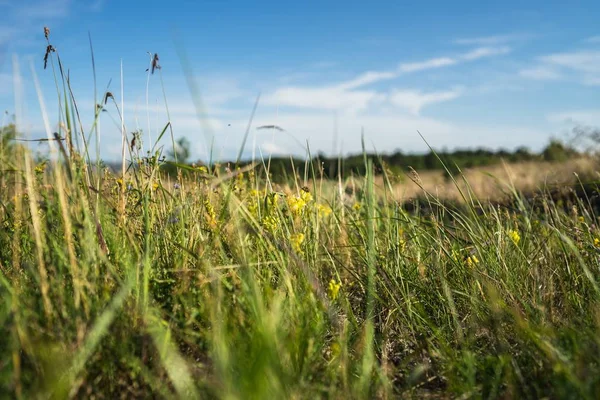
[
  {"x": 269, "y": 223},
  {"x": 306, "y": 196},
  {"x": 40, "y": 168},
  {"x": 333, "y": 289},
  {"x": 296, "y": 204},
  {"x": 581, "y": 218},
  {"x": 155, "y": 186},
  {"x": 357, "y": 206},
  {"x": 324, "y": 211},
  {"x": 297, "y": 240},
  {"x": 402, "y": 244},
  {"x": 514, "y": 236},
  {"x": 210, "y": 213},
  {"x": 596, "y": 242},
  {"x": 472, "y": 260}
]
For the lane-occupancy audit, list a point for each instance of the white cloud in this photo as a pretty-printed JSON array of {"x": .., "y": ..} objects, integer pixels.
[
  {"x": 433, "y": 63},
  {"x": 219, "y": 90},
  {"x": 345, "y": 96},
  {"x": 327, "y": 98},
  {"x": 274, "y": 149},
  {"x": 541, "y": 73},
  {"x": 352, "y": 101},
  {"x": 483, "y": 52},
  {"x": 583, "y": 61},
  {"x": 367, "y": 78},
  {"x": 584, "y": 65},
  {"x": 428, "y": 64},
  {"x": 390, "y": 131},
  {"x": 415, "y": 100}
]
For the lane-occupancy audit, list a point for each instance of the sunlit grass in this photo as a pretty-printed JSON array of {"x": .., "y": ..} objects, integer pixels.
[{"x": 219, "y": 284}]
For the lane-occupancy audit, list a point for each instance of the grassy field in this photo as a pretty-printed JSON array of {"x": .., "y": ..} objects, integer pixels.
[
  {"x": 496, "y": 182},
  {"x": 222, "y": 286}
]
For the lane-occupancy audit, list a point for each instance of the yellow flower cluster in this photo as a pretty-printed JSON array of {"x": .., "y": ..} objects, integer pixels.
[
  {"x": 596, "y": 242},
  {"x": 297, "y": 203},
  {"x": 306, "y": 196},
  {"x": 297, "y": 240},
  {"x": 514, "y": 236},
  {"x": 333, "y": 289},
  {"x": 472, "y": 261},
  {"x": 270, "y": 223},
  {"x": 324, "y": 211},
  {"x": 210, "y": 213}
]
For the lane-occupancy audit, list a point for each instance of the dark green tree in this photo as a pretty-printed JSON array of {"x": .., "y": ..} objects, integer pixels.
[{"x": 182, "y": 150}]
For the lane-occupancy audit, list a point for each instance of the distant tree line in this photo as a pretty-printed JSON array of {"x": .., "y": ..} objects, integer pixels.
[
  {"x": 283, "y": 168},
  {"x": 398, "y": 162}
]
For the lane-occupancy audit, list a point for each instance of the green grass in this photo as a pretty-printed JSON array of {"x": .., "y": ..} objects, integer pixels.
[{"x": 210, "y": 286}]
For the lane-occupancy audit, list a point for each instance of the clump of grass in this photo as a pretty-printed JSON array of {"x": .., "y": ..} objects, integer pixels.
[{"x": 223, "y": 286}]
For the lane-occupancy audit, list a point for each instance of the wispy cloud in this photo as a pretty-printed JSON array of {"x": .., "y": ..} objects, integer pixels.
[
  {"x": 273, "y": 149},
  {"x": 346, "y": 96},
  {"x": 415, "y": 100},
  {"x": 327, "y": 98},
  {"x": 483, "y": 52},
  {"x": 540, "y": 73},
  {"x": 427, "y": 64},
  {"x": 585, "y": 64},
  {"x": 583, "y": 61},
  {"x": 368, "y": 78},
  {"x": 581, "y": 66},
  {"x": 432, "y": 63}
]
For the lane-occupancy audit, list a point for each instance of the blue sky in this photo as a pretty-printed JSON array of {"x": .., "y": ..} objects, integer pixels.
[{"x": 464, "y": 74}]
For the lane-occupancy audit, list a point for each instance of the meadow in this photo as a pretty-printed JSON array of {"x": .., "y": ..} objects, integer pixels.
[{"x": 223, "y": 284}]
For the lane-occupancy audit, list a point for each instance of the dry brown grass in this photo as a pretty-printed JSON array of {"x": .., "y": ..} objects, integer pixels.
[{"x": 491, "y": 182}]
